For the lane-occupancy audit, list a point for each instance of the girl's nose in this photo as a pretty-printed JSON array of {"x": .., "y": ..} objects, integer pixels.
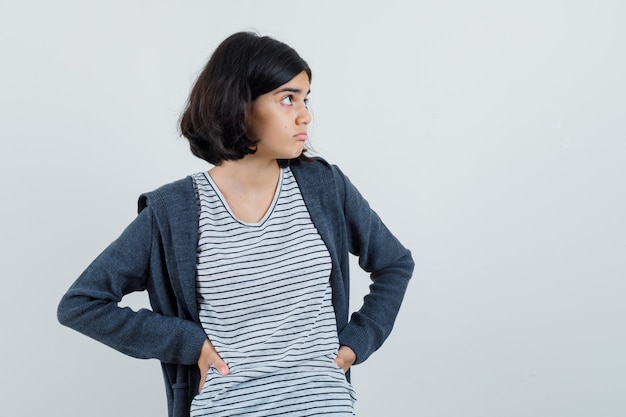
[{"x": 304, "y": 117}]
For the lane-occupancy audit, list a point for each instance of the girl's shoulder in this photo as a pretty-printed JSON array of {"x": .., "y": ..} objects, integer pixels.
[
  {"x": 316, "y": 165},
  {"x": 174, "y": 195}
]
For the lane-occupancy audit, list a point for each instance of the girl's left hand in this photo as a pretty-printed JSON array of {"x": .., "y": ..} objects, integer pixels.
[{"x": 345, "y": 358}]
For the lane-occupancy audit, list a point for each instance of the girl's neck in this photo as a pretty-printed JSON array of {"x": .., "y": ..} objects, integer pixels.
[
  {"x": 247, "y": 174},
  {"x": 248, "y": 186}
]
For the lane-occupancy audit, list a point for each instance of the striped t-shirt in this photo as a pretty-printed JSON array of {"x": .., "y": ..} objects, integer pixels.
[{"x": 265, "y": 303}]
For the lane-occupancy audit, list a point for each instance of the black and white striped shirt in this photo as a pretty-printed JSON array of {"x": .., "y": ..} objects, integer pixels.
[{"x": 264, "y": 298}]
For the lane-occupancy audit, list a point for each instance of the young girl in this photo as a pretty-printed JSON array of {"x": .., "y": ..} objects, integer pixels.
[{"x": 246, "y": 265}]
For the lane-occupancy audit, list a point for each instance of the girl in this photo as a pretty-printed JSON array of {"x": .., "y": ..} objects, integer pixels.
[{"x": 246, "y": 265}]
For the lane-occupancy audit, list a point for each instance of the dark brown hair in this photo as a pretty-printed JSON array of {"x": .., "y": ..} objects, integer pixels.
[{"x": 243, "y": 67}]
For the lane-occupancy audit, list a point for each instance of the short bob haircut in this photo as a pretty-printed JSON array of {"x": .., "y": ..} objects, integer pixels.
[{"x": 243, "y": 67}]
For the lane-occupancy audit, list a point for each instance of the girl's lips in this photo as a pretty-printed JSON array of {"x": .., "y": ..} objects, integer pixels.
[{"x": 300, "y": 136}]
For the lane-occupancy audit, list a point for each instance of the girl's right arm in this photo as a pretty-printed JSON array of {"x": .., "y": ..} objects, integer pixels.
[{"x": 90, "y": 306}]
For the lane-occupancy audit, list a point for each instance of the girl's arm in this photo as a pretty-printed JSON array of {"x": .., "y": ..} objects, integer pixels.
[
  {"x": 389, "y": 264},
  {"x": 90, "y": 306}
]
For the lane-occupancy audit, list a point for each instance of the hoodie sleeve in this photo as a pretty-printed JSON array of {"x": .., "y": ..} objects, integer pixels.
[
  {"x": 90, "y": 306},
  {"x": 389, "y": 264}
]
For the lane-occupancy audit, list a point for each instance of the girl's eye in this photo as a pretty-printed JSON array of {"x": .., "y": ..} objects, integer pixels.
[{"x": 288, "y": 100}]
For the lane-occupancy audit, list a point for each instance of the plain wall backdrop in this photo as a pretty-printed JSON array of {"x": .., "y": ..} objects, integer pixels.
[{"x": 489, "y": 135}]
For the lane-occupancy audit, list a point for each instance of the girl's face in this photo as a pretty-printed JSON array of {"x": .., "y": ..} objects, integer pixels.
[{"x": 279, "y": 119}]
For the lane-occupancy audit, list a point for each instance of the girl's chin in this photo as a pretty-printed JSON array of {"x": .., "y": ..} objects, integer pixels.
[
  {"x": 284, "y": 154},
  {"x": 291, "y": 155}
]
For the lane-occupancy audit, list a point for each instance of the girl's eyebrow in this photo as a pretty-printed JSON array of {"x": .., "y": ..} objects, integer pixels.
[{"x": 291, "y": 90}]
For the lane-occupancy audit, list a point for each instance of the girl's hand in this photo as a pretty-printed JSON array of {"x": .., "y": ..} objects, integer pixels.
[
  {"x": 345, "y": 358},
  {"x": 209, "y": 357}
]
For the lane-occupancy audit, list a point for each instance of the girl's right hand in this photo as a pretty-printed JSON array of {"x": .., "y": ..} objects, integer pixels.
[{"x": 209, "y": 357}]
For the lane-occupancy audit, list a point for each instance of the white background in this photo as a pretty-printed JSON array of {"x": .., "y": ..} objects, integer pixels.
[{"x": 489, "y": 135}]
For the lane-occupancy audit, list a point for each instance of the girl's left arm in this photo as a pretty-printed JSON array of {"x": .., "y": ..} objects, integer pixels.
[{"x": 390, "y": 266}]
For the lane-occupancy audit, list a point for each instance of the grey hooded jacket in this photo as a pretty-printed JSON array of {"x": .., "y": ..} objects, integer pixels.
[{"x": 157, "y": 253}]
